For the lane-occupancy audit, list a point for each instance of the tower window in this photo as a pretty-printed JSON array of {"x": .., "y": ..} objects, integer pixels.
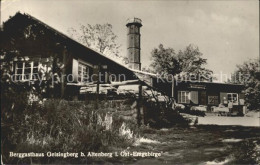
[{"x": 136, "y": 29}]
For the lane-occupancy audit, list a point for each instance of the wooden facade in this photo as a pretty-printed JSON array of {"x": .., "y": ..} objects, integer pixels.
[
  {"x": 39, "y": 43},
  {"x": 209, "y": 93}
]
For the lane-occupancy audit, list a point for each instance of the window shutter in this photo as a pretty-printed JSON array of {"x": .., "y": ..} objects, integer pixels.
[
  {"x": 179, "y": 96},
  {"x": 241, "y": 96},
  {"x": 194, "y": 97},
  {"x": 75, "y": 65}
]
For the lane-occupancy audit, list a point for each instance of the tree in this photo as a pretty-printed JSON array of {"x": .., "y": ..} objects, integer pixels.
[
  {"x": 193, "y": 65},
  {"x": 98, "y": 37},
  {"x": 165, "y": 61},
  {"x": 246, "y": 74},
  {"x": 187, "y": 62},
  {"x": 148, "y": 69}
]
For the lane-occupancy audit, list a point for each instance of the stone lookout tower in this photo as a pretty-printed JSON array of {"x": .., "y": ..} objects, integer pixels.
[{"x": 133, "y": 43}]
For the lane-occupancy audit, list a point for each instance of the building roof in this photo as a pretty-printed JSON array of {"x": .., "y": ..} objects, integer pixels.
[
  {"x": 19, "y": 16},
  {"x": 208, "y": 82},
  {"x": 212, "y": 86}
]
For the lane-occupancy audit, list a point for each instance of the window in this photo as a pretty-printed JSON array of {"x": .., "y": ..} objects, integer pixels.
[
  {"x": 184, "y": 97},
  {"x": 232, "y": 97},
  {"x": 25, "y": 71},
  {"x": 83, "y": 73},
  {"x": 136, "y": 29}
]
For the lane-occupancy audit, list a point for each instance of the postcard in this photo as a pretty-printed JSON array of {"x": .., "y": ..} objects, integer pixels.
[{"x": 130, "y": 82}]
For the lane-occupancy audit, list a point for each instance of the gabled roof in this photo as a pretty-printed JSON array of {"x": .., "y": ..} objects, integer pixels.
[{"x": 19, "y": 17}]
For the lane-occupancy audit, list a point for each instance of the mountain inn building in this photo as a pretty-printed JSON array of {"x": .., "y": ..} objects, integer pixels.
[{"x": 41, "y": 47}]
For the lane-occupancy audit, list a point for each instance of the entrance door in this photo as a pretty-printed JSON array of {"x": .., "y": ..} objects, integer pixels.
[{"x": 202, "y": 98}]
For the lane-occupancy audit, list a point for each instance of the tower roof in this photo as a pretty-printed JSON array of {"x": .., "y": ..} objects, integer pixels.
[{"x": 135, "y": 21}]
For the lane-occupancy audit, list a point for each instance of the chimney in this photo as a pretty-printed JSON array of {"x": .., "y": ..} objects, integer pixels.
[{"x": 133, "y": 43}]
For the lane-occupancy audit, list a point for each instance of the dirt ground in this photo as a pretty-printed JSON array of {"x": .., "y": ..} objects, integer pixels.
[
  {"x": 201, "y": 145},
  {"x": 225, "y": 120}
]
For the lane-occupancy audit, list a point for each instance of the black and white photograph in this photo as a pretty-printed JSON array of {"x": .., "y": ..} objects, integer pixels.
[{"x": 130, "y": 82}]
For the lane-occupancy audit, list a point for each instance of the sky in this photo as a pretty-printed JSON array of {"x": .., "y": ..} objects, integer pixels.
[{"x": 226, "y": 32}]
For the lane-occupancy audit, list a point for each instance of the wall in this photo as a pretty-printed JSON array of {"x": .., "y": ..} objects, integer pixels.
[{"x": 214, "y": 92}]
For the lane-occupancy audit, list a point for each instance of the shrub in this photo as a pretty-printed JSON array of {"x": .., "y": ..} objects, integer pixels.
[
  {"x": 62, "y": 126},
  {"x": 161, "y": 115}
]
